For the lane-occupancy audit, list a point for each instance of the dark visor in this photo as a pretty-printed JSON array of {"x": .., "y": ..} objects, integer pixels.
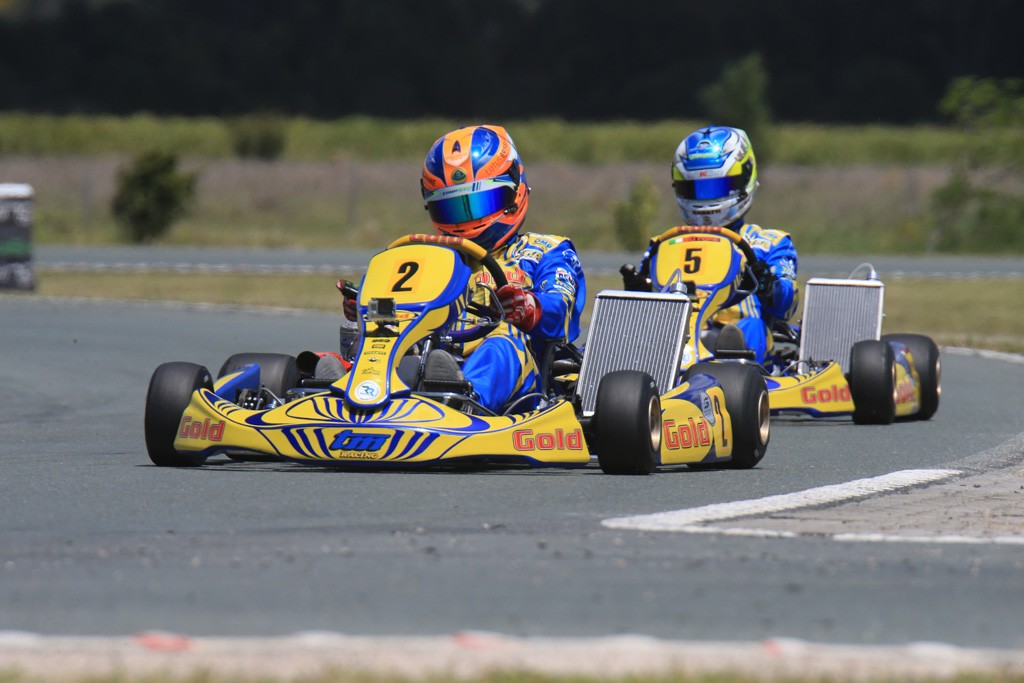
[
  {"x": 711, "y": 188},
  {"x": 471, "y": 206}
]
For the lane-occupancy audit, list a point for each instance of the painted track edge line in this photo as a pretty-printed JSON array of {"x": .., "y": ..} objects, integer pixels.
[{"x": 684, "y": 520}]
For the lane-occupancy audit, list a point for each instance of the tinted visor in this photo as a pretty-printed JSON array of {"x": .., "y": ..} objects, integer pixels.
[
  {"x": 711, "y": 188},
  {"x": 471, "y": 206}
]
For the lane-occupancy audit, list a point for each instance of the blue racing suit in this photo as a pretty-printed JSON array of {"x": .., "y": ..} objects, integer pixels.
[
  {"x": 503, "y": 366},
  {"x": 779, "y": 302}
]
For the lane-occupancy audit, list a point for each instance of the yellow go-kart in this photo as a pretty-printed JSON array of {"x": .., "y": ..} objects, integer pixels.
[
  {"x": 404, "y": 403},
  {"x": 835, "y": 363}
]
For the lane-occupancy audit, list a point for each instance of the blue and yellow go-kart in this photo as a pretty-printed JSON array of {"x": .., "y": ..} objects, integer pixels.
[
  {"x": 404, "y": 402},
  {"x": 835, "y": 363}
]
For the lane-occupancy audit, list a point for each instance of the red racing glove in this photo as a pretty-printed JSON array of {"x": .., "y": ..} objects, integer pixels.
[
  {"x": 349, "y": 292},
  {"x": 521, "y": 308}
]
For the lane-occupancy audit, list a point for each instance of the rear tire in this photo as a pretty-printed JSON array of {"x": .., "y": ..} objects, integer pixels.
[
  {"x": 873, "y": 382},
  {"x": 746, "y": 400},
  {"x": 279, "y": 372},
  {"x": 170, "y": 391},
  {"x": 627, "y": 423},
  {"x": 925, "y": 353}
]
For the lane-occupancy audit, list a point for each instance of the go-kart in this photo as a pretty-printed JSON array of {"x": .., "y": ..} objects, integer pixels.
[
  {"x": 835, "y": 362},
  {"x": 404, "y": 402}
]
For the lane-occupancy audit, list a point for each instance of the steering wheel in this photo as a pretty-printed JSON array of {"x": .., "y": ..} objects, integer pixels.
[
  {"x": 474, "y": 253},
  {"x": 749, "y": 277}
]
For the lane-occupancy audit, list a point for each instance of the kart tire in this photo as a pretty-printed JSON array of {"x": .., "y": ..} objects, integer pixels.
[
  {"x": 746, "y": 400},
  {"x": 873, "y": 382},
  {"x": 925, "y": 353},
  {"x": 279, "y": 372},
  {"x": 627, "y": 423},
  {"x": 170, "y": 390}
]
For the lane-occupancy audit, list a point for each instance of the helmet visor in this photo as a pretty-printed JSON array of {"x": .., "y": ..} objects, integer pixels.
[
  {"x": 711, "y": 188},
  {"x": 450, "y": 208}
]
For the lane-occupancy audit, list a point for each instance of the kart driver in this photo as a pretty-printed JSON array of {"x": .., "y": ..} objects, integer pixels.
[
  {"x": 714, "y": 175},
  {"x": 474, "y": 186}
]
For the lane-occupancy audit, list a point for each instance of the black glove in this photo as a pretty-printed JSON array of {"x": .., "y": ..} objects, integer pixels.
[
  {"x": 634, "y": 281},
  {"x": 765, "y": 281},
  {"x": 349, "y": 294}
]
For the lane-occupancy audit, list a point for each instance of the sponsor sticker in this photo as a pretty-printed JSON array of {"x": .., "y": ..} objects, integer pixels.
[{"x": 367, "y": 390}]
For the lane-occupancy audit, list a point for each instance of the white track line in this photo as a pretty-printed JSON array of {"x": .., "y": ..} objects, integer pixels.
[{"x": 686, "y": 520}]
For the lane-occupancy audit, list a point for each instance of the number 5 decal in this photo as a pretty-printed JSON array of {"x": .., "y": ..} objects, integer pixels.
[{"x": 691, "y": 264}]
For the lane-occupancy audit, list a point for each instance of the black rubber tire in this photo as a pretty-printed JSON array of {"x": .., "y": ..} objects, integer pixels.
[
  {"x": 627, "y": 423},
  {"x": 279, "y": 372},
  {"x": 873, "y": 382},
  {"x": 746, "y": 400},
  {"x": 925, "y": 353},
  {"x": 170, "y": 390}
]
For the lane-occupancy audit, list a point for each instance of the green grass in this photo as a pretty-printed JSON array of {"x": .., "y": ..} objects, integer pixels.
[
  {"x": 355, "y": 181},
  {"x": 946, "y": 310},
  {"x": 358, "y": 137}
]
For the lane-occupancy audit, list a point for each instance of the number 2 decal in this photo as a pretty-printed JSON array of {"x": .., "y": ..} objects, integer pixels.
[
  {"x": 405, "y": 271},
  {"x": 721, "y": 419}
]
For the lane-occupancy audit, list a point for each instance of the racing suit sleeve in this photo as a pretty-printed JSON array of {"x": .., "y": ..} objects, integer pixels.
[
  {"x": 561, "y": 288},
  {"x": 780, "y": 301}
]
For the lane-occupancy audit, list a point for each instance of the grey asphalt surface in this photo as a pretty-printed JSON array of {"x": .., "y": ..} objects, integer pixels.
[
  {"x": 189, "y": 259},
  {"x": 94, "y": 540}
]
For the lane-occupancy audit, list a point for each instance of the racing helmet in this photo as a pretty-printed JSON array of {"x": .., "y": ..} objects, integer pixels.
[
  {"x": 474, "y": 185},
  {"x": 714, "y": 175}
]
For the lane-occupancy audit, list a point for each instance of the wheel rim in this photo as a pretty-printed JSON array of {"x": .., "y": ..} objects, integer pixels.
[
  {"x": 654, "y": 423},
  {"x": 764, "y": 418},
  {"x": 895, "y": 393}
]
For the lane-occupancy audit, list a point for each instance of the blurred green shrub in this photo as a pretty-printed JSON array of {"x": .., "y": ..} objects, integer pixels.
[
  {"x": 982, "y": 102},
  {"x": 970, "y": 219},
  {"x": 258, "y": 136},
  {"x": 151, "y": 195},
  {"x": 634, "y": 216},
  {"x": 740, "y": 98}
]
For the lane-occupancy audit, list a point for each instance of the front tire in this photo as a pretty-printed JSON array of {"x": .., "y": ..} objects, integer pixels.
[
  {"x": 627, "y": 423},
  {"x": 925, "y": 353},
  {"x": 746, "y": 400},
  {"x": 873, "y": 382},
  {"x": 170, "y": 391}
]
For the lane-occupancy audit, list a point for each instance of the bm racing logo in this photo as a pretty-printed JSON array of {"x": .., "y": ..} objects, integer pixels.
[
  {"x": 360, "y": 445},
  {"x": 204, "y": 431}
]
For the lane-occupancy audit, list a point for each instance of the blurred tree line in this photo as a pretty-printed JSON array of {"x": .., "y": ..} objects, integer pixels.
[{"x": 847, "y": 62}]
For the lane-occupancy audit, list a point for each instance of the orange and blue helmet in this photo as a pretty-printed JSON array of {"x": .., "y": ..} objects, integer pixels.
[{"x": 474, "y": 185}]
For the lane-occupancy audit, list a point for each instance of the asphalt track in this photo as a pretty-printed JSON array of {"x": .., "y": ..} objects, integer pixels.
[
  {"x": 96, "y": 541},
  {"x": 900, "y": 546},
  {"x": 332, "y": 261}
]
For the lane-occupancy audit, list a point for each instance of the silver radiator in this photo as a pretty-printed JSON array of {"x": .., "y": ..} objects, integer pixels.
[
  {"x": 633, "y": 331},
  {"x": 837, "y": 314}
]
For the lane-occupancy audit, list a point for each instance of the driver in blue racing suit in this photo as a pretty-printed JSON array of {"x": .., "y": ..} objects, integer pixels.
[
  {"x": 474, "y": 186},
  {"x": 714, "y": 175}
]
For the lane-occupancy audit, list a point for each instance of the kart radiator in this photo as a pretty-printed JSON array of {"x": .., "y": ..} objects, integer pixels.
[
  {"x": 837, "y": 314},
  {"x": 633, "y": 331}
]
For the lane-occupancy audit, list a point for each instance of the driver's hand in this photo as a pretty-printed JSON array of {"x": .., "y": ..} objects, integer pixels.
[
  {"x": 349, "y": 294},
  {"x": 765, "y": 280},
  {"x": 521, "y": 308}
]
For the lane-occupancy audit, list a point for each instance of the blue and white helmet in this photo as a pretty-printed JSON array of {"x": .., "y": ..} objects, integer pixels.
[{"x": 714, "y": 175}]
